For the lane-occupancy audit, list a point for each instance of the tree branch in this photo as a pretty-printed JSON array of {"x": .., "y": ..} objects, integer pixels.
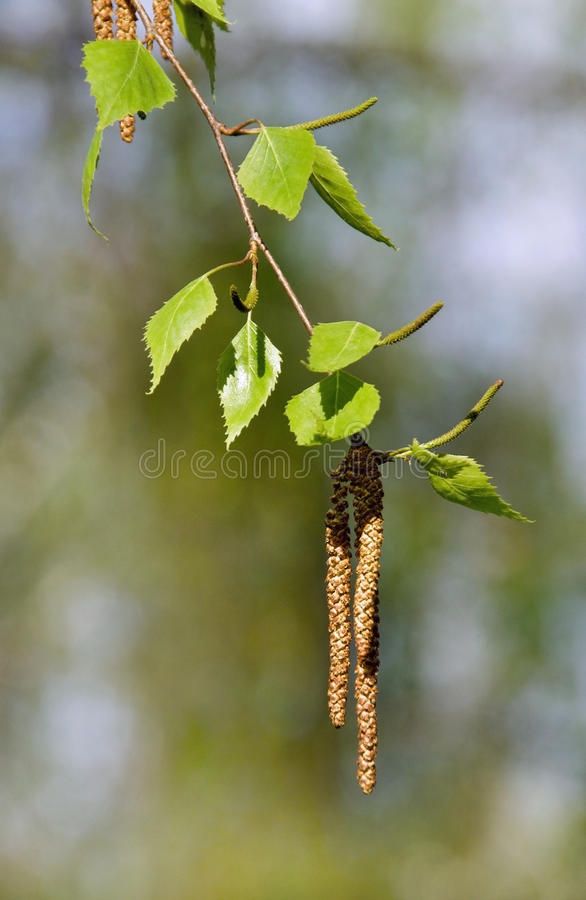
[{"x": 217, "y": 130}]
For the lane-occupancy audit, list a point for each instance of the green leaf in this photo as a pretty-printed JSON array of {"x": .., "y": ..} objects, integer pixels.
[
  {"x": 461, "y": 479},
  {"x": 332, "y": 409},
  {"x": 333, "y": 185},
  {"x": 335, "y": 345},
  {"x": 247, "y": 374},
  {"x": 197, "y": 27},
  {"x": 277, "y": 168},
  {"x": 214, "y": 9},
  {"x": 87, "y": 179},
  {"x": 176, "y": 321},
  {"x": 124, "y": 78}
]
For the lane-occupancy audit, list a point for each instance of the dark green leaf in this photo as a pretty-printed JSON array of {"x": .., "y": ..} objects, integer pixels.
[
  {"x": 461, "y": 479},
  {"x": 87, "y": 179},
  {"x": 198, "y": 28},
  {"x": 333, "y": 185}
]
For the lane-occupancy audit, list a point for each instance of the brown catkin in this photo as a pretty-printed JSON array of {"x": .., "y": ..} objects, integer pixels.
[
  {"x": 367, "y": 490},
  {"x": 103, "y": 23},
  {"x": 126, "y": 31},
  {"x": 164, "y": 21},
  {"x": 338, "y": 583}
]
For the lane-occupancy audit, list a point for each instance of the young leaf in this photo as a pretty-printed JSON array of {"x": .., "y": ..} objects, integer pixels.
[
  {"x": 276, "y": 170},
  {"x": 332, "y": 409},
  {"x": 214, "y": 9},
  {"x": 197, "y": 27},
  {"x": 176, "y": 321},
  {"x": 335, "y": 345},
  {"x": 124, "y": 78},
  {"x": 461, "y": 479},
  {"x": 333, "y": 185},
  {"x": 247, "y": 373},
  {"x": 87, "y": 179}
]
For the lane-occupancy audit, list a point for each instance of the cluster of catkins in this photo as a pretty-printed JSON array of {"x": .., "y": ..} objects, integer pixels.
[
  {"x": 358, "y": 476},
  {"x": 103, "y": 15}
]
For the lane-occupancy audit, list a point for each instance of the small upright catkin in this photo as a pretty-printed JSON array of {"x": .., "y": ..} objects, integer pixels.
[
  {"x": 338, "y": 583},
  {"x": 164, "y": 22},
  {"x": 367, "y": 491},
  {"x": 102, "y": 14},
  {"x": 126, "y": 31}
]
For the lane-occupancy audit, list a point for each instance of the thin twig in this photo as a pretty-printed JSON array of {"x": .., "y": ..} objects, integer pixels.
[{"x": 217, "y": 131}]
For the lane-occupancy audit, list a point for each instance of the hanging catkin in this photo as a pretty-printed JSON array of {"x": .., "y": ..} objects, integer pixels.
[
  {"x": 338, "y": 582},
  {"x": 164, "y": 21},
  {"x": 126, "y": 31},
  {"x": 367, "y": 490},
  {"x": 102, "y": 15}
]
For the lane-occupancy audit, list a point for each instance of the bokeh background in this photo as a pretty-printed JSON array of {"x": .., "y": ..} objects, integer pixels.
[{"x": 163, "y": 639}]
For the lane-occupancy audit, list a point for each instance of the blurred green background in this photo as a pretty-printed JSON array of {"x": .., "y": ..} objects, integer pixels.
[{"x": 163, "y": 639}]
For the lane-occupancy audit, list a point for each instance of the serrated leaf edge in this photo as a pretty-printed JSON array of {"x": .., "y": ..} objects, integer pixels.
[
  {"x": 139, "y": 47},
  {"x": 378, "y": 235},
  {"x": 184, "y": 341},
  {"x": 515, "y": 516},
  {"x": 230, "y": 440}
]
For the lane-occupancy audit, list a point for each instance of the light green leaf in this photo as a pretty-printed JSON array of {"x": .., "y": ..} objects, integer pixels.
[
  {"x": 197, "y": 27},
  {"x": 214, "y": 9},
  {"x": 461, "y": 479},
  {"x": 247, "y": 373},
  {"x": 277, "y": 168},
  {"x": 124, "y": 78},
  {"x": 335, "y": 345},
  {"x": 176, "y": 321},
  {"x": 333, "y": 185},
  {"x": 332, "y": 409},
  {"x": 87, "y": 179}
]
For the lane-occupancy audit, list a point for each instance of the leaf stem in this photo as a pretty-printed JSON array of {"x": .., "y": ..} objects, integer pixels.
[
  {"x": 242, "y": 128},
  {"x": 456, "y": 431},
  {"x": 228, "y": 265},
  {"x": 217, "y": 132},
  {"x": 401, "y": 333}
]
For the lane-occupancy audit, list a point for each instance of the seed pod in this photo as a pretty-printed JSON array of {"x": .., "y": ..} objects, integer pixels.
[
  {"x": 164, "y": 22},
  {"x": 103, "y": 24},
  {"x": 367, "y": 491},
  {"x": 338, "y": 581},
  {"x": 365, "y": 690},
  {"x": 127, "y": 127},
  {"x": 126, "y": 31}
]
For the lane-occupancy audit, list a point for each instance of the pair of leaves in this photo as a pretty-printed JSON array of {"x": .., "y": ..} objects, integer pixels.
[
  {"x": 341, "y": 404},
  {"x": 124, "y": 79},
  {"x": 462, "y": 480},
  {"x": 248, "y": 369},
  {"x": 281, "y": 163},
  {"x": 196, "y": 23}
]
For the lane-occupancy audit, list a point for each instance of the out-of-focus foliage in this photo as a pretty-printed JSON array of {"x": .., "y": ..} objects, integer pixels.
[{"x": 162, "y": 623}]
